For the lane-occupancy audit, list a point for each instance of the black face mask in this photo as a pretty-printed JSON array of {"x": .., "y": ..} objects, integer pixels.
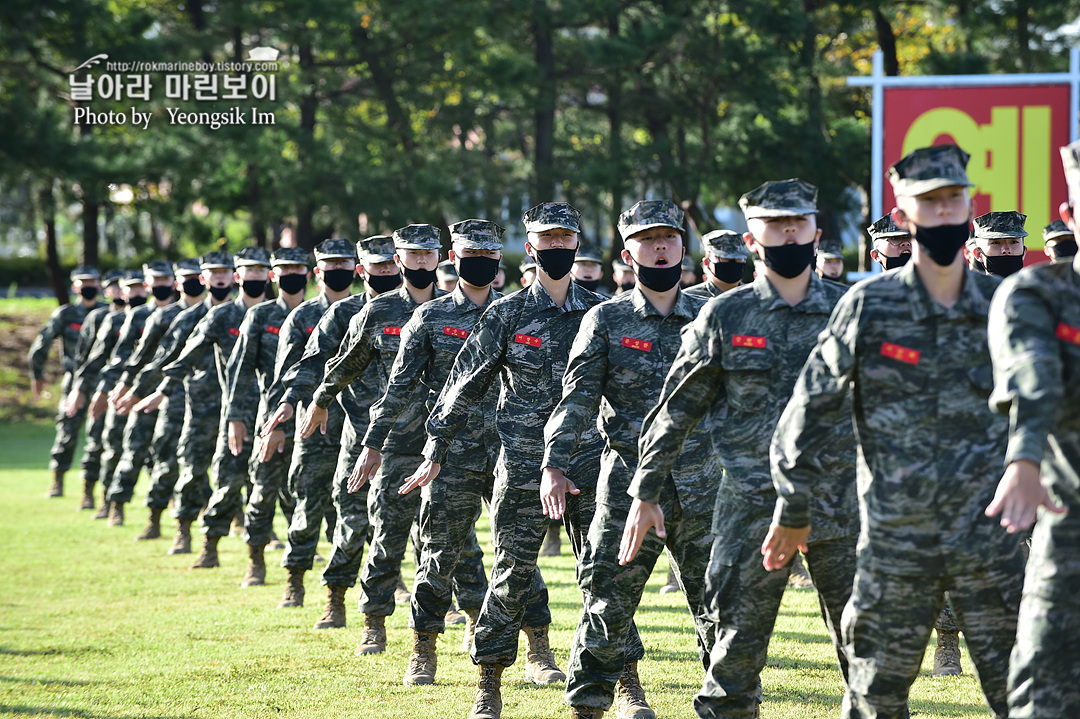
[
  {"x": 382, "y": 283},
  {"x": 1065, "y": 248},
  {"x": 942, "y": 242},
  {"x": 193, "y": 287},
  {"x": 220, "y": 293},
  {"x": 291, "y": 284},
  {"x": 728, "y": 272},
  {"x": 478, "y": 271},
  {"x": 1004, "y": 265},
  {"x": 420, "y": 279},
  {"x": 161, "y": 292},
  {"x": 556, "y": 262},
  {"x": 658, "y": 279},
  {"x": 119, "y": 303},
  {"x": 627, "y": 285},
  {"x": 891, "y": 263},
  {"x": 137, "y": 301},
  {"x": 590, "y": 285},
  {"x": 789, "y": 260},
  {"x": 338, "y": 280},
  {"x": 88, "y": 293},
  {"x": 253, "y": 288}
]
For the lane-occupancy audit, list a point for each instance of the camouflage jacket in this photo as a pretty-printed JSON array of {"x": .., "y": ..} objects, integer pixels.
[
  {"x": 253, "y": 356},
  {"x": 704, "y": 289},
  {"x": 920, "y": 378},
  {"x": 65, "y": 322},
  {"x": 152, "y": 377},
  {"x": 88, "y": 332},
  {"x": 738, "y": 362},
  {"x": 525, "y": 339},
  {"x": 295, "y": 330},
  {"x": 157, "y": 324},
  {"x": 374, "y": 337},
  {"x": 430, "y": 341},
  {"x": 131, "y": 334},
  {"x": 93, "y": 352},
  {"x": 617, "y": 364},
  {"x": 1035, "y": 345}
]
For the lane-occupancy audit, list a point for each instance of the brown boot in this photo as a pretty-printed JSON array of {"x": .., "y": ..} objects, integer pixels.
[
  {"x": 586, "y": 713},
  {"x": 488, "y": 702},
  {"x": 255, "y": 576},
  {"x": 540, "y": 667},
  {"x": 103, "y": 511},
  {"x": 799, "y": 577},
  {"x": 423, "y": 660},
  {"x": 333, "y": 616},
  {"x": 452, "y": 618},
  {"x": 208, "y": 558},
  {"x": 552, "y": 541},
  {"x": 294, "y": 590},
  {"x": 153, "y": 527},
  {"x": 181, "y": 543},
  {"x": 373, "y": 638},
  {"x": 471, "y": 615},
  {"x": 116, "y": 514},
  {"x": 57, "y": 488},
  {"x": 947, "y": 654},
  {"x": 671, "y": 584},
  {"x": 87, "y": 494},
  {"x": 401, "y": 592},
  {"x": 630, "y": 697}
]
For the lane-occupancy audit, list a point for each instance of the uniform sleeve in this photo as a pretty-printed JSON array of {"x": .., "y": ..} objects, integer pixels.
[
  {"x": 583, "y": 385},
  {"x": 150, "y": 376},
  {"x": 144, "y": 350},
  {"x": 87, "y": 335},
  {"x": 1026, "y": 354},
  {"x": 88, "y": 373},
  {"x": 802, "y": 436},
  {"x": 349, "y": 363},
  {"x": 202, "y": 339},
  {"x": 302, "y": 379},
  {"x": 241, "y": 367},
  {"x": 475, "y": 369},
  {"x": 39, "y": 350},
  {"x": 690, "y": 388},
  {"x": 414, "y": 356}
]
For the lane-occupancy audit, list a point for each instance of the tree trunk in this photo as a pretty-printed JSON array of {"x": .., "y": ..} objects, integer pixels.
[
  {"x": 305, "y": 231},
  {"x": 258, "y": 226},
  {"x": 57, "y": 279},
  {"x": 544, "y": 150},
  {"x": 91, "y": 238},
  {"x": 887, "y": 42}
]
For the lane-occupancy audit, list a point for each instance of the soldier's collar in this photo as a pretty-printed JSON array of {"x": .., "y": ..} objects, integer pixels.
[
  {"x": 280, "y": 301},
  {"x": 575, "y": 298},
  {"x": 683, "y": 306},
  {"x": 814, "y": 302},
  {"x": 973, "y": 301},
  {"x": 460, "y": 300}
]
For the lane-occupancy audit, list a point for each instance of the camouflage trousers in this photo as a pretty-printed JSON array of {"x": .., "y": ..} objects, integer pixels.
[
  {"x": 92, "y": 448},
  {"x": 268, "y": 489},
  {"x": 887, "y": 624},
  {"x": 606, "y": 636},
  {"x": 311, "y": 475},
  {"x": 164, "y": 448},
  {"x": 451, "y": 559},
  {"x": 67, "y": 431},
  {"x": 743, "y": 600},
  {"x": 352, "y": 529},
  {"x": 202, "y": 413},
  {"x": 230, "y": 480},
  {"x": 134, "y": 455},
  {"x": 1044, "y": 670},
  {"x": 112, "y": 445}
]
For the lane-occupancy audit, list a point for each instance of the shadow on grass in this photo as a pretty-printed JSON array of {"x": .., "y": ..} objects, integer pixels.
[
  {"x": 802, "y": 637},
  {"x": 24, "y": 710},
  {"x": 51, "y": 651},
  {"x": 45, "y": 682}
]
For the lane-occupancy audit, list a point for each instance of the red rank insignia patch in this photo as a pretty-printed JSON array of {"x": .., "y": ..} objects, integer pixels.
[
  {"x": 636, "y": 344},
  {"x": 75, "y": 326},
  {"x": 455, "y": 332},
  {"x": 273, "y": 330},
  {"x": 903, "y": 354},
  {"x": 309, "y": 329},
  {"x": 527, "y": 340},
  {"x": 391, "y": 330},
  {"x": 234, "y": 331},
  {"x": 1068, "y": 333},
  {"x": 748, "y": 341}
]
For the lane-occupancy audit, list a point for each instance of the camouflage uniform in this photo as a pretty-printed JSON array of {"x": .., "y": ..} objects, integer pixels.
[
  {"x": 738, "y": 362},
  {"x": 1035, "y": 345},
  {"x": 85, "y": 380},
  {"x": 883, "y": 229},
  {"x": 720, "y": 245},
  {"x": 999, "y": 226},
  {"x": 524, "y": 338},
  {"x": 1059, "y": 239}
]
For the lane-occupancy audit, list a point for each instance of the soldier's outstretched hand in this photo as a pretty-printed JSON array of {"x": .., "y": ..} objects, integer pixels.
[
  {"x": 75, "y": 401},
  {"x": 422, "y": 477},
  {"x": 781, "y": 543},
  {"x": 125, "y": 403},
  {"x": 642, "y": 517},
  {"x": 272, "y": 443},
  {"x": 37, "y": 386},
  {"x": 98, "y": 404},
  {"x": 367, "y": 464},
  {"x": 553, "y": 489},
  {"x": 316, "y": 416},
  {"x": 1019, "y": 495},
  {"x": 283, "y": 413},
  {"x": 149, "y": 404},
  {"x": 238, "y": 436}
]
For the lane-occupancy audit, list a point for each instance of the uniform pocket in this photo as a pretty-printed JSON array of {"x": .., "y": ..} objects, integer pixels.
[{"x": 747, "y": 377}]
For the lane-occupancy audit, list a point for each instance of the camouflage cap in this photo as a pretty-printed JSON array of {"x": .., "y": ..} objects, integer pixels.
[
  {"x": 290, "y": 256},
  {"x": 831, "y": 249},
  {"x": 618, "y": 265},
  {"x": 646, "y": 214},
  {"x": 335, "y": 249},
  {"x": 1056, "y": 230},
  {"x": 112, "y": 277},
  {"x": 549, "y": 215},
  {"x": 216, "y": 261},
  {"x": 725, "y": 245},
  {"x": 999, "y": 225},
  {"x": 688, "y": 264},
  {"x": 187, "y": 266},
  {"x": 885, "y": 227},
  {"x": 418, "y": 237},
  {"x": 445, "y": 271},
  {"x": 929, "y": 168},
  {"x": 780, "y": 198},
  {"x": 376, "y": 249},
  {"x": 588, "y": 253},
  {"x": 477, "y": 234},
  {"x": 527, "y": 264},
  {"x": 1070, "y": 160},
  {"x": 158, "y": 268},
  {"x": 252, "y": 256},
  {"x": 85, "y": 272},
  {"x": 132, "y": 277}
]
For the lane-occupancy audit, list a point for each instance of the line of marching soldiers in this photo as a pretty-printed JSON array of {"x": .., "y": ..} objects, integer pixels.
[{"x": 902, "y": 434}]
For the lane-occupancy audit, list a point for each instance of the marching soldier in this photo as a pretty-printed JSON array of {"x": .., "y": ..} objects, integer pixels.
[
  {"x": 891, "y": 245},
  {"x": 830, "y": 260},
  {"x": 724, "y": 263},
  {"x": 999, "y": 242},
  {"x": 1059, "y": 243}
]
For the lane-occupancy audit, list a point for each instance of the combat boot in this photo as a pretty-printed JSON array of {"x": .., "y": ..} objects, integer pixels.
[
  {"x": 57, "y": 488},
  {"x": 181, "y": 543},
  {"x": 116, "y": 514},
  {"x": 103, "y": 512},
  {"x": 87, "y": 494},
  {"x": 423, "y": 660},
  {"x": 488, "y": 701},
  {"x": 452, "y": 618},
  {"x": 333, "y": 616},
  {"x": 401, "y": 592},
  {"x": 208, "y": 557},
  {"x": 630, "y": 697},
  {"x": 471, "y": 615},
  {"x": 255, "y": 576},
  {"x": 799, "y": 577},
  {"x": 153, "y": 527},
  {"x": 586, "y": 713},
  {"x": 294, "y": 589},
  {"x": 540, "y": 667},
  {"x": 671, "y": 584},
  {"x": 373, "y": 638},
  {"x": 947, "y": 654},
  {"x": 552, "y": 541}
]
